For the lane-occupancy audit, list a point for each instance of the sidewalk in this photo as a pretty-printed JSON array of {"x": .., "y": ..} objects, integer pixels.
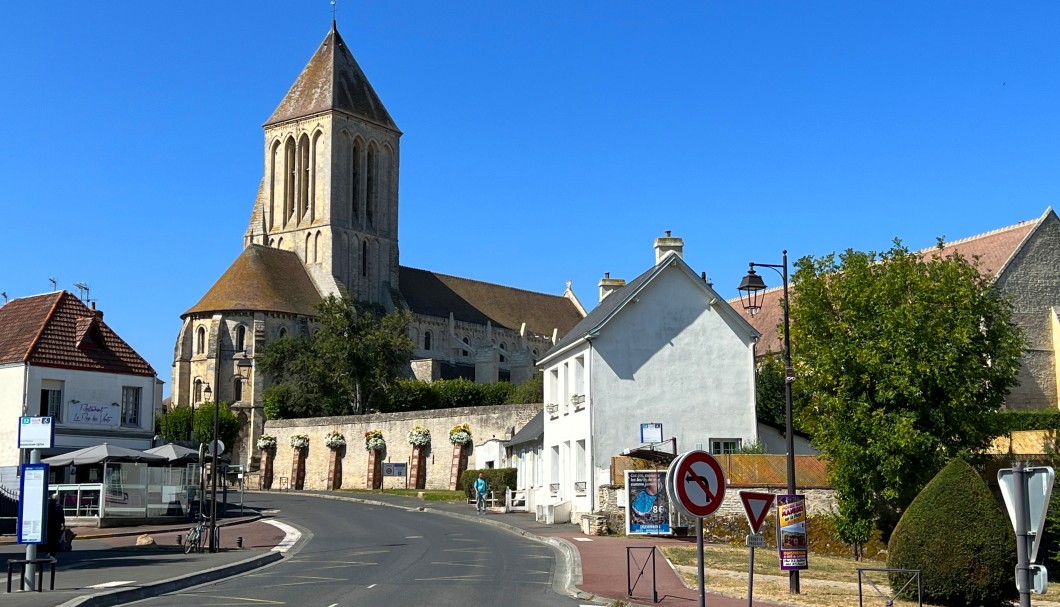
[{"x": 106, "y": 567}]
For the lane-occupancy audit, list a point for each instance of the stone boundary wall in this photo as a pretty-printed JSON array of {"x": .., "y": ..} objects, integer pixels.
[{"x": 486, "y": 423}]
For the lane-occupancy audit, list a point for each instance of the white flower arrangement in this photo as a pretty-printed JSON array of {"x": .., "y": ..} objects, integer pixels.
[
  {"x": 460, "y": 435},
  {"x": 334, "y": 440},
  {"x": 373, "y": 440},
  {"x": 419, "y": 436},
  {"x": 266, "y": 442},
  {"x": 299, "y": 441}
]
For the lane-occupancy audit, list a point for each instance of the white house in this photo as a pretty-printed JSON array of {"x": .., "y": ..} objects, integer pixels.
[
  {"x": 665, "y": 348},
  {"x": 58, "y": 358}
]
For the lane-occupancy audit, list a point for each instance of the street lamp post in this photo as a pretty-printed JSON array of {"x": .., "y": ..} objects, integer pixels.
[
  {"x": 751, "y": 288},
  {"x": 208, "y": 393}
]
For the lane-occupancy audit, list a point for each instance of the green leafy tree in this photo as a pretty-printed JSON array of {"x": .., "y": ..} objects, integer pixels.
[
  {"x": 906, "y": 359},
  {"x": 345, "y": 367},
  {"x": 176, "y": 424}
]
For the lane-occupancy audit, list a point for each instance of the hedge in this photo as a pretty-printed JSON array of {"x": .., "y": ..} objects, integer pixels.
[{"x": 500, "y": 479}]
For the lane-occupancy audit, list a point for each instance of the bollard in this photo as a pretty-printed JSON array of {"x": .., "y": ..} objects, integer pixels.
[
  {"x": 180, "y": 539},
  {"x": 239, "y": 542}
]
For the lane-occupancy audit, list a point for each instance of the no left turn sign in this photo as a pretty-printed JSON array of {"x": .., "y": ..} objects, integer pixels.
[{"x": 698, "y": 483}]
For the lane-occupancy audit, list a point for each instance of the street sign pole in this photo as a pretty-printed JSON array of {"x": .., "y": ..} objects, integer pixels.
[
  {"x": 699, "y": 549},
  {"x": 1019, "y": 490},
  {"x": 31, "y": 549}
]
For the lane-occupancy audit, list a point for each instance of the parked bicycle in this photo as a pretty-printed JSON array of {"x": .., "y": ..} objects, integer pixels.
[{"x": 196, "y": 535}]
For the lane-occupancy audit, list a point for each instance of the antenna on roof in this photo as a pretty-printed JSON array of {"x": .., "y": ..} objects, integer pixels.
[
  {"x": 54, "y": 282},
  {"x": 5, "y": 296},
  {"x": 83, "y": 290}
]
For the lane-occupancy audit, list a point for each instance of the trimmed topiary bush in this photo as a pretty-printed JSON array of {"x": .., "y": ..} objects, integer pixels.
[{"x": 956, "y": 534}]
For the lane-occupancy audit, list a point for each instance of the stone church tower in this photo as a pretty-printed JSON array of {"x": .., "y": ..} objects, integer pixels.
[
  {"x": 325, "y": 222},
  {"x": 330, "y": 187}
]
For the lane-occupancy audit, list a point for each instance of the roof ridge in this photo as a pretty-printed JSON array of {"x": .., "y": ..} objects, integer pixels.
[
  {"x": 483, "y": 282},
  {"x": 967, "y": 239}
]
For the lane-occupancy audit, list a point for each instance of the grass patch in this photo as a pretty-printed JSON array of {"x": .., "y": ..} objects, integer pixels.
[
  {"x": 428, "y": 495},
  {"x": 829, "y": 582}
]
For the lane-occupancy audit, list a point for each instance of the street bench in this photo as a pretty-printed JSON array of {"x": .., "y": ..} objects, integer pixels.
[{"x": 21, "y": 564}]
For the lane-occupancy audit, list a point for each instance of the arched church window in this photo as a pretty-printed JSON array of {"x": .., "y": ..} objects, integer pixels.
[
  {"x": 316, "y": 248},
  {"x": 303, "y": 175},
  {"x": 504, "y": 350},
  {"x": 308, "y": 240},
  {"x": 197, "y": 394},
  {"x": 290, "y": 175},
  {"x": 275, "y": 183},
  {"x": 283, "y": 332},
  {"x": 370, "y": 188},
  {"x": 200, "y": 341},
  {"x": 465, "y": 352},
  {"x": 355, "y": 180},
  {"x": 237, "y": 388},
  {"x": 427, "y": 340},
  {"x": 241, "y": 338}
]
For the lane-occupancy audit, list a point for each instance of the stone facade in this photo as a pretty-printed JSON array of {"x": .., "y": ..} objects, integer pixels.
[{"x": 486, "y": 423}]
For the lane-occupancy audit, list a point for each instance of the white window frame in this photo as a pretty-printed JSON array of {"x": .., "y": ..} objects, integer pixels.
[{"x": 131, "y": 401}]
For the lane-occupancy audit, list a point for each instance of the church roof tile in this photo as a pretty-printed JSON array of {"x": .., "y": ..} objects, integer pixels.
[
  {"x": 332, "y": 80},
  {"x": 433, "y": 294},
  {"x": 262, "y": 278}
]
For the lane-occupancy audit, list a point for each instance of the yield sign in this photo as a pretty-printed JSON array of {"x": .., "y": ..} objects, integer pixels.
[
  {"x": 756, "y": 506},
  {"x": 1038, "y": 489},
  {"x": 699, "y": 484}
]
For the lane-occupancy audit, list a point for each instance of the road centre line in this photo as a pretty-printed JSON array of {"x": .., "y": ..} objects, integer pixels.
[
  {"x": 369, "y": 588},
  {"x": 240, "y": 598}
]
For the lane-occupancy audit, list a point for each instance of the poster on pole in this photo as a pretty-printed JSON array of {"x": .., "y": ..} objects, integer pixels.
[
  {"x": 33, "y": 504},
  {"x": 649, "y": 508},
  {"x": 792, "y": 542}
]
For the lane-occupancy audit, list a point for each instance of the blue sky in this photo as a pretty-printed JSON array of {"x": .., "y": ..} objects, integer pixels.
[{"x": 543, "y": 142}]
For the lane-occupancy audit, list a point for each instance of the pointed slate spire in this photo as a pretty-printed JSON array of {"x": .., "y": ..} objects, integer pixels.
[{"x": 332, "y": 80}]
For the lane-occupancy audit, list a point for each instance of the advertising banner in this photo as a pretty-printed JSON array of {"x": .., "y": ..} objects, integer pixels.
[
  {"x": 792, "y": 542},
  {"x": 649, "y": 508}
]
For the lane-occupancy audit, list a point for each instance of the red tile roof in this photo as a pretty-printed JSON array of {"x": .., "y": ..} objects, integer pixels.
[
  {"x": 994, "y": 250},
  {"x": 58, "y": 330}
]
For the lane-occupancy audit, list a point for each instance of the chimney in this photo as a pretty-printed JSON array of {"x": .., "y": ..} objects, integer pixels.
[
  {"x": 608, "y": 285},
  {"x": 666, "y": 244},
  {"x": 97, "y": 313}
]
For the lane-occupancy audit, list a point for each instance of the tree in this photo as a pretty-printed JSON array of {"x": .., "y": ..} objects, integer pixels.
[
  {"x": 345, "y": 367},
  {"x": 176, "y": 424},
  {"x": 905, "y": 360}
]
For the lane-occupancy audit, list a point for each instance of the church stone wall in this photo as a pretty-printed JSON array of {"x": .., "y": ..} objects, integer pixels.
[{"x": 497, "y": 422}]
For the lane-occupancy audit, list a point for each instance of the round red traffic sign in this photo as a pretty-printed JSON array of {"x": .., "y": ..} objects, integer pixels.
[{"x": 699, "y": 483}]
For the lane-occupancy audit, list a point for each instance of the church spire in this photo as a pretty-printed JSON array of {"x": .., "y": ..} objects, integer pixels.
[{"x": 332, "y": 81}]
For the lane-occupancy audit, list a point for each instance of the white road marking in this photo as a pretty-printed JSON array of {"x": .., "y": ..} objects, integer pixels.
[
  {"x": 582, "y": 539},
  {"x": 290, "y": 538},
  {"x": 414, "y": 537},
  {"x": 370, "y": 587},
  {"x": 113, "y": 584}
]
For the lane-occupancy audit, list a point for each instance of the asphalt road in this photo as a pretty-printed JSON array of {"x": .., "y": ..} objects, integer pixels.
[{"x": 360, "y": 554}]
